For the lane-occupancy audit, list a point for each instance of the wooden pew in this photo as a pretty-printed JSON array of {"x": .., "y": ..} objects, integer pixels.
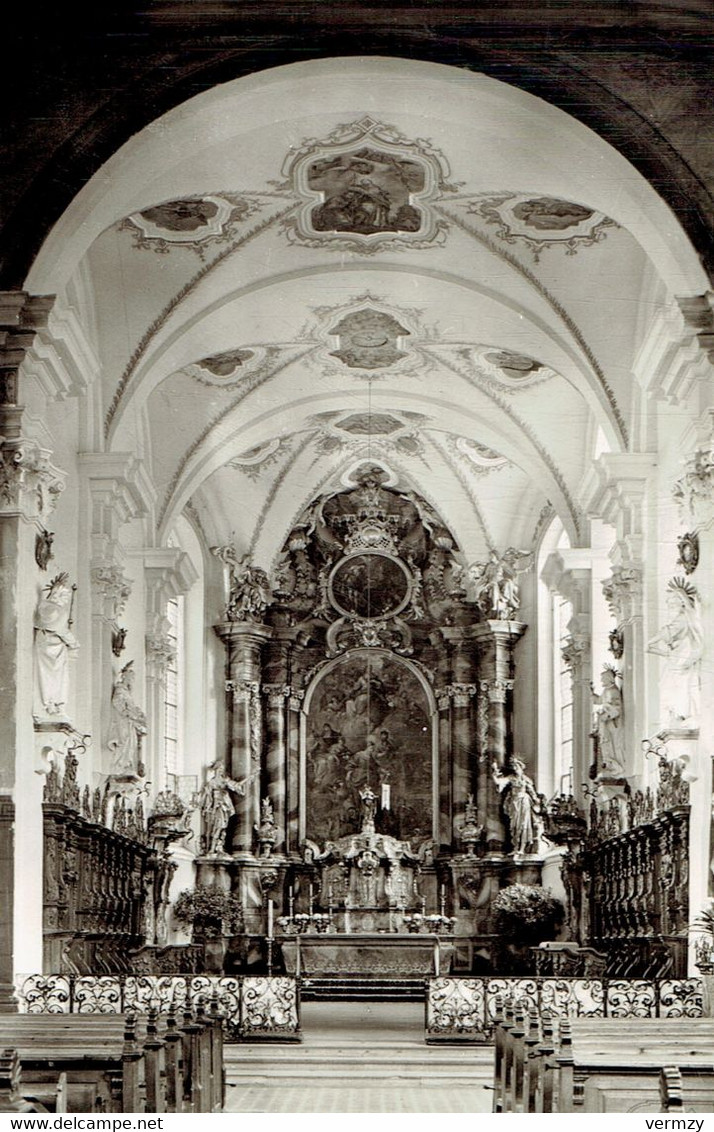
[
  {"x": 598, "y": 1063},
  {"x": 614, "y": 1064},
  {"x": 111, "y": 1067},
  {"x": 11, "y": 1089}
]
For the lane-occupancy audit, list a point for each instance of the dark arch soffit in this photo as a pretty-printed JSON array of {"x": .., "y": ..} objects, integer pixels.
[{"x": 162, "y": 79}]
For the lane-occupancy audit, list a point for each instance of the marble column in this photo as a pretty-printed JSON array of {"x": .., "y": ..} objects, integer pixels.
[
  {"x": 276, "y": 756},
  {"x": 295, "y": 717},
  {"x": 445, "y": 784},
  {"x": 244, "y": 643},
  {"x": 496, "y": 641},
  {"x": 462, "y": 691}
]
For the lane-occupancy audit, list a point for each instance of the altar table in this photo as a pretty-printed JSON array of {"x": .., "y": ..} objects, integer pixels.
[{"x": 366, "y": 953}]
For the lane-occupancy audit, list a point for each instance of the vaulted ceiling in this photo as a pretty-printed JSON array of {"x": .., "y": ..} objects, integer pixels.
[{"x": 367, "y": 259}]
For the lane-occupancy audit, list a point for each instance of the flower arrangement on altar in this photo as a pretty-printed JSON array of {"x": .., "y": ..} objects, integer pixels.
[
  {"x": 433, "y": 925},
  {"x": 210, "y": 911},
  {"x": 302, "y": 922}
]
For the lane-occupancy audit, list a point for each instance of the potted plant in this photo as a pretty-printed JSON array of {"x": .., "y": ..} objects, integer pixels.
[
  {"x": 213, "y": 916},
  {"x": 704, "y": 955},
  {"x": 522, "y": 916}
]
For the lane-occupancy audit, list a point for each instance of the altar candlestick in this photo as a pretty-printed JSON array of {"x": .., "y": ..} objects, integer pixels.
[
  {"x": 270, "y": 919},
  {"x": 443, "y": 899},
  {"x": 423, "y": 905},
  {"x": 312, "y": 900},
  {"x": 291, "y": 902}
]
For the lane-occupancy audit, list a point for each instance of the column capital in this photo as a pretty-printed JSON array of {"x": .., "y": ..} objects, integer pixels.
[
  {"x": 276, "y": 694},
  {"x": 160, "y": 652},
  {"x": 21, "y": 316},
  {"x": 615, "y": 492},
  {"x": 502, "y": 634},
  {"x": 575, "y": 650},
  {"x": 623, "y": 593},
  {"x": 30, "y": 484},
  {"x": 677, "y": 349},
  {"x": 497, "y": 690},
  {"x": 234, "y": 632},
  {"x": 243, "y": 691},
  {"x": 113, "y": 589}
]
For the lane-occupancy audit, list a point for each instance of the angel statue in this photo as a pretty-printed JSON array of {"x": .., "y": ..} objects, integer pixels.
[
  {"x": 681, "y": 641},
  {"x": 495, "y": 582},
  {"x": 249, "y": 587}
]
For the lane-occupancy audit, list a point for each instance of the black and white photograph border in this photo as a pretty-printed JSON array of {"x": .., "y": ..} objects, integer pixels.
[{"x": 288, "y": 289}]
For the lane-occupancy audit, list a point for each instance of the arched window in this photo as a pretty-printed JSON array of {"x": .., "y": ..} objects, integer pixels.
[{"x": 173, "y": 690}]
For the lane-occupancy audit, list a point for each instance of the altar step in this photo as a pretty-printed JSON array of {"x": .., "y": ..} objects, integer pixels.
[
  {"x": 359, "y": 1045},
  {"x": 354, "y": 988}
]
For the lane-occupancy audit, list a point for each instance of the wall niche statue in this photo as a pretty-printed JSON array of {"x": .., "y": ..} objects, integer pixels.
[
  {"x": 521, "y": 805},
  {"x": 608, "y": 729},
  {"x": 53, "y": 642},
  {"x": 127, "y": 727},
  {"x": 681, "y": 642}
]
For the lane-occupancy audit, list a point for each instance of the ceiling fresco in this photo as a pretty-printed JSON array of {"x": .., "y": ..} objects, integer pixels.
[{"x": 368, "y": 260}]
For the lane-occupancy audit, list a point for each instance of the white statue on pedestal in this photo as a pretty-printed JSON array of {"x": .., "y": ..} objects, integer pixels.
[
  {"x": 127, "y": 727},
  {"x": 681, "y": 641},
  {"x": 612, "y": 758},
  {"x": 53, "y": 641}
]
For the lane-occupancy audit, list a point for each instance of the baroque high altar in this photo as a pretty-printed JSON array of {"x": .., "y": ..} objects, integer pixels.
[{"x": 370, "y": 778}]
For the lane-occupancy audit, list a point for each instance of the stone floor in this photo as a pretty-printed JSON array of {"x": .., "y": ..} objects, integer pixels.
[{"x": 359, "y": 1057}]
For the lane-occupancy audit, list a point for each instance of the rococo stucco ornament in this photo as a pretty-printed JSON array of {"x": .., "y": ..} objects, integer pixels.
[
  {"x": 192, "y": 222},
  {"x": 364, "y": 187},
  {"x": 541, "y": 222},
  {"x": 688, "y": 547},
  {"x": 694, "y": 490}
]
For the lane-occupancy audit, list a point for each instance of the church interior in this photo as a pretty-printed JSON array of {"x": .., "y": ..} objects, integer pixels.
[{"x": 357, "y": 529}]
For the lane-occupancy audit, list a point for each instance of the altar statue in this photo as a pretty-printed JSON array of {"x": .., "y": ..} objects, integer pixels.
[
  {"x": 496, "y": 585},
  {"x": 521, "y": 805},
  {"x": 249, "y": 587},
  {"x": 53, "y": 642},
  {"x": 369, "y": 809},
  {"x": 217, "y": 808},
  {"x": 681, "y": 641},
  {"x": 127, "y": 727},
  {"x": 609, "y": 729}
]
